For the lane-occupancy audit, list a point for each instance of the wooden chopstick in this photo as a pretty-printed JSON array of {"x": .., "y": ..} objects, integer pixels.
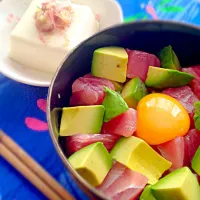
[
  {"x": 26, "y": 172},
  {"x": 31, "y": 170}
]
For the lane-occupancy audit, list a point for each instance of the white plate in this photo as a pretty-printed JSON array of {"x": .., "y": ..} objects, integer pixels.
[{"x": 109, "y": 12}]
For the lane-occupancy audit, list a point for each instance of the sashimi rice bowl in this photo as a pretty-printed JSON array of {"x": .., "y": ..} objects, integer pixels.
[{"x": 124, "y": 112}]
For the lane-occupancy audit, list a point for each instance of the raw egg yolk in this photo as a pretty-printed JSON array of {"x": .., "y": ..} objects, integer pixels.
[{"x": 161, "y": 118}]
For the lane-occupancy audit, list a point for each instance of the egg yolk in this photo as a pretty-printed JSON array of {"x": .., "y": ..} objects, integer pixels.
[{"x": 161, "y": 118}]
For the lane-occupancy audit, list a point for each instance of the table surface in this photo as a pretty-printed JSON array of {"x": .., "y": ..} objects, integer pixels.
[{"x": 23, "y": 116}]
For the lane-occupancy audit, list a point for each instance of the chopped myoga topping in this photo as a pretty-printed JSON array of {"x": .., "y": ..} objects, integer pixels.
[{"x": 52, "y": 15}]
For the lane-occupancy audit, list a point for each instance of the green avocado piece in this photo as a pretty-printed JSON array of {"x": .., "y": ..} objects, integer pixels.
[
  {"x": 133, "y": 91},
  {"x": 56, "y": 114},
  {"x": 147, "y": 194},
  {"x": 82, "y": 120},
  {"x": 118, "y": 86},
  {"x": 110, "y": 63},
  {"x": 92, "y": 162},
  {"x": 181, "y": 184},
  {"x": 196, "y": 162},
  {"x": 161, "y": 78},
  {"x": 114, "y": 104},
  {"x": 197, "y": 115},
  {"x": 137, "y": 155},
  {"x": 169, "y": 59}
]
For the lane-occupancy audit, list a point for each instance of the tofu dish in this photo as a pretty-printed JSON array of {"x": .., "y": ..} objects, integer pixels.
[
  {"x": 48, "y": 31},
  {"x": 132, "y": 127}
]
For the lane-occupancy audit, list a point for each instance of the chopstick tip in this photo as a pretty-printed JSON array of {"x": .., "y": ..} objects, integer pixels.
[{"x": 1, "y": 134}]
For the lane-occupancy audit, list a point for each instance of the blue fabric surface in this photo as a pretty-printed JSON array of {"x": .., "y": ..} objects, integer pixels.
[{"x": 22, "y": 108}]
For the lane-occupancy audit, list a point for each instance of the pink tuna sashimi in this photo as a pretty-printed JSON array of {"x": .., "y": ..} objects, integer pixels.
[
  {"x": 186, "y": 97},
  {"x": 174, "y": 151},
  {"x": 155, "y": 148},
  {"x": 117, "y": 171},
  {"x": 124, "y": 124},
  {"x": 122, "y": 183},
  {"x": 86, "y": 97},
  {"x": 195, "y": 83},
  {"x": 77, "y": 142},
  {"x": 139, "y": 62},
  {"x": 91, "y": 81},
  {"x": 89, "y": 90},
  {"x": 99, "y": 81},
  {"x": 192, "y": 142}
]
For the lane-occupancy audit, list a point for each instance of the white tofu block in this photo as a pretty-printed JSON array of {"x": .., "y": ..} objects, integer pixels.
[{"x": 27, "y": 48}]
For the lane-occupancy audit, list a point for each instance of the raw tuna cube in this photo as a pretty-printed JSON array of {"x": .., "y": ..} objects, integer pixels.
[
  {"x": 99, "y": 81},
  {"x": 174, "y": 151},
  {"x": 181, "y": 150},
  {"x": 195, "y": 83},
  {"x": 155, "y": 148},
  {"x": 89, "y": 90},
  {"x": 192, "y": 142},
  {"x": 139, "y": 62},
  {"x": 124, "y": 124},
  {"x": 77, "y": 142},
  {"x": 86, "y": 97},
  {"x": 186, "y": 97},
  {"x": 122, "y": 183}
]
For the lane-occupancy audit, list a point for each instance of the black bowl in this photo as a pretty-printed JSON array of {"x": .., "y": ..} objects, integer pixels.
[{"x": 149, "y": 36}]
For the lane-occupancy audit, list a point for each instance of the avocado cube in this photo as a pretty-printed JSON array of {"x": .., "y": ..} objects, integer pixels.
[
  {"x": 147, "y": 194},
  {"x": 197, "y": 115},
  {"x": 169, "y": 59},
  {"x": 137, "y": 155},
  {"x": 81, "y": 120},
  {"x": 160, "y": 78},
  {"x": 114, "y": 104},
  {"x": 55, "y": 116},
  {"x": 196, "y": 162},
  {"x": 92, "y": 162},
  {"x": 110, "y": 63},
  {"x": 133, "y": 91},
  {"x": 180, "y": 184}
]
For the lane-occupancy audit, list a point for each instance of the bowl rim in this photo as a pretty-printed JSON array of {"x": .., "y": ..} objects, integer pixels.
[{"x": 82, "y": 182}]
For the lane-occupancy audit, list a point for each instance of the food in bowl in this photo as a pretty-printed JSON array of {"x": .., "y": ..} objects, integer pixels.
[
  {"x": 48, "y": 31},
  {"x": 132, "y": 128}
]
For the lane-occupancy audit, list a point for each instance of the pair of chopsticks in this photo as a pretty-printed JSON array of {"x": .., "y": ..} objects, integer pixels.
[{"x": 31, "y": 170}]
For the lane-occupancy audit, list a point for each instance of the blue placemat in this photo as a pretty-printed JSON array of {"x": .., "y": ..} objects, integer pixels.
[{"x": 22, "y": 107}]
